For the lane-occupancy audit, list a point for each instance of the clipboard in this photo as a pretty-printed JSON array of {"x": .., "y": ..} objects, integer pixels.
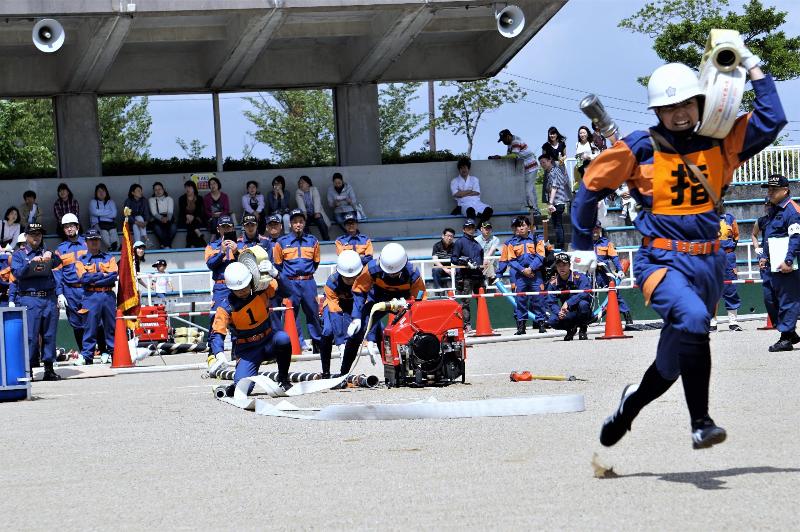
[{"x": 778, "y": 247}]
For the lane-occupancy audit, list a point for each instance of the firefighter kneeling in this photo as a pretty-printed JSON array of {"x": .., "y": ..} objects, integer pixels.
[
  {"x": 246, "y": 312},
  {"x": 569, "y": 312}
]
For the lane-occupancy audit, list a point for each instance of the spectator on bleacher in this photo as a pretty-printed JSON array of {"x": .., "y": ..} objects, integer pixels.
[
  {"x": 518, "y": 149},
  {"x": 160, "y": 284},
  {"x": 216, "y": 204},
  {"x": 140, "y": 212},
  {"x": 341, "y": 198},
  {"x": 253, "y": 203},
  {"x": 490, "y": 245},
  {"x": 308, "y": 201},
  {"x": 278, "y": 203},
  {"x": 139, "y": 250},
  {"x": 556, "y": 146},
  {"x": 29, "y": 211},
  {"x": 466, "y": 190},
  {"x": 162, "y": 212},
  {"x": 598, "y": 139},
  {"x": 585, "y": 151},
  {"x": 9, "y": 227},
  {"x": 443, "y": 249},
  {"x": 64, "y": 203},
  {"x": 191, "y": 215},
  {"x": 558, "y": 195},
  {"x": 103, "y": 217},
  {"x": 354, "y": 240}
]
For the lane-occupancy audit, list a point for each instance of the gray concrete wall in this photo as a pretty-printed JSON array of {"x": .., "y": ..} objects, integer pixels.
[
  {"x": 77, "y": 135},
  {"x": 384, "y": 190}
]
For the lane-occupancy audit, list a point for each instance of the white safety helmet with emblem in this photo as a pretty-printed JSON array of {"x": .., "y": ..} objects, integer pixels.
[
  {"x": 349, "y": 263},
  {"x": 393, "y": 258},
  {"x": 237, "y": 276},
  {"x": 672, "y": 83},
  {"x": 69, "y": 218}
]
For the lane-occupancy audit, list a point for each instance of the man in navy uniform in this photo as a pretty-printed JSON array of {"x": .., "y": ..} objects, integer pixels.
[{"x": 570, "y": 312}]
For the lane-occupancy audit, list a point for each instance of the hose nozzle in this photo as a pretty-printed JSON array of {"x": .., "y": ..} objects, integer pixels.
[{"x": 593, "y": 108}]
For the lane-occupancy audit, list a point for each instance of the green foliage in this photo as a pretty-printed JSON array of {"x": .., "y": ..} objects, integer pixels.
[
  {"x": 297, "y": 125},
  {"x": 680, "y": 28},
  {"x": 398, "y": 125},
  {"x": 462, "y": 112},
  {"x": 421, "y": 156},
  {"x": 193, "y": 149},
  {"x": 27, "y": 143},
  {"x": 125, "y": 128}
]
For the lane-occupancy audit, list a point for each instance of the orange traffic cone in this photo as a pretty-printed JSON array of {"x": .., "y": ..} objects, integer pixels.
[
  {"x": 290, "y": 326},
  {"x": 768, "y": 326},
  {"x": 122, "y": 355},
  {"x": 483, "y": 326},
  {"x": 613, "y": 321}
]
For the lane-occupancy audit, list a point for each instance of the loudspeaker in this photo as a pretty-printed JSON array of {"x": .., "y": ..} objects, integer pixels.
[
  {"x": 48, "y": 35},
  {"x": 510, "y": 21}
]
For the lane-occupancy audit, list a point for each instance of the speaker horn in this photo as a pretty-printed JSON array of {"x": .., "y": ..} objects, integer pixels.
[
  {"x": 510, "y": 21},
  {"x": 48, "y": 35}
]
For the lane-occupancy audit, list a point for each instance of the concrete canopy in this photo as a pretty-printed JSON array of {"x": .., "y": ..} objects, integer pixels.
[{"x": 163, "y": 46}]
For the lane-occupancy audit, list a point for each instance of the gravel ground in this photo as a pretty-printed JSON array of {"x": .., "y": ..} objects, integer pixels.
[{"x": 156, "y": 450}]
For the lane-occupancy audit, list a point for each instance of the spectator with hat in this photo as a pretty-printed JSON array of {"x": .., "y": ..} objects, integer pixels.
[
  {"x": 32, "y": 267},
  {"x": 354, "y": 239},
  {"x": 161, "y": 283},
  {"x": 466, "y": 190},
  {"x": 523, "y": 255},
  {"x": 518, "y": 149},
  {"x": 307, "y": 198},
  {"x": 97, "y": 271},
  {"x": 569, "y": 312},
  {"x": 297, "y": 257},
  {"x": 68, "y": 286},
  {"x": 490, "y": 245},
  {"x": 250, "y": 234},
  {"x": 468, "y": 257},
  {"x": 274, "y": 232}
]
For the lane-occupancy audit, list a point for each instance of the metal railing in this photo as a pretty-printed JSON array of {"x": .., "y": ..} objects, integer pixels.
[{"x": 773, "y": 160}]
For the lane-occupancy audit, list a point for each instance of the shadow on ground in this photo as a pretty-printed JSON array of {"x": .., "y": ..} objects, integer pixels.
[{"x": 710, "y": 480}]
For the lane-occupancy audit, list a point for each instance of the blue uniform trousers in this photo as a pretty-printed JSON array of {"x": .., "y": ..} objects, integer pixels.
[
  {"x": 767, "y": 291},
  {"x": 685, "y": 299},
  {"x": 274, "y": 347},
  {"x": 74, "y": 297},
  {"x": 102, "y": 308},
  {"x": 304, "y": 295},
  {"x": 42, "y": 319},
  {"x": 786, "y": 295},
  {"x": 730, "y": 295},
  {"x": 334, "y": 325},
  {"x": 602, "y": 280},
  {"x": 575, "y": 317},
  {"x": 525, "y": 304}
]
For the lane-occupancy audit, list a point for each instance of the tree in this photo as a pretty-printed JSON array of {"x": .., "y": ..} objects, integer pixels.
[
  {"x": 193, "y": 150},
  {"x": 125, "y": 128},
  {"x": 680, "y": 28},
  {"x": 462, "y": 112},
  {"x": 297, "y": 125},
  {"x": 26, "y": 135},
  {"x": 398, "y": 125}
]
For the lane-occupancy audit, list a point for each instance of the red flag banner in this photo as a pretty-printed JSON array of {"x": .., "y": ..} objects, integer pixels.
[{"x": 127, "y": 291}]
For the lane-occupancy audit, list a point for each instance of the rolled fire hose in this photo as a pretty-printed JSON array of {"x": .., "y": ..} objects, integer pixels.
[
  {"x": 168, "y": 348},
  {"x": 251, "y": 258},
  {"x": 722, "y": 80}
]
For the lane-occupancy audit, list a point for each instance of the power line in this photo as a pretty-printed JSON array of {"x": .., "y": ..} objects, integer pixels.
[
  {"x": 579, "y": 112},
  {"x": 578, "y": 101},
  {"x": 584, "y": 91}
]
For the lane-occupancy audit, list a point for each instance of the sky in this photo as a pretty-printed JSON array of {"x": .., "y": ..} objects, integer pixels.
[{"x": 579, "y": 51}]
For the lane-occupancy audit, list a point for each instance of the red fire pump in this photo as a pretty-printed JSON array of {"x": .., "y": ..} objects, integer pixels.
[{"x": 424, "y": 344}]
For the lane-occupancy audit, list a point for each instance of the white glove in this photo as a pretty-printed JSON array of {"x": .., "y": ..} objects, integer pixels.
[
  {"x": 621, "y": 275},
  {"x": 219, "y": 363},
  {"x": 748, "y": 59},
  {"x": 62, "y": 302},
  {"x": 354, "y": 327},
  {"x": 759, "y": 251},
  {"x": 398, "y": 303},
  {"x": 266, "y": 266},
  {"x": 585, "y": 261},
  {"x": 374, "y": 352},
  {"x": 12, "y": 304}
]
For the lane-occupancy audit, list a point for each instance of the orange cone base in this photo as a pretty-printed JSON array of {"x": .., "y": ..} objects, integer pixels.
[
  {"x": 122, "y": 355},
  {"x": 613, "y": 337},
  {"x": 768, "y": 326}
]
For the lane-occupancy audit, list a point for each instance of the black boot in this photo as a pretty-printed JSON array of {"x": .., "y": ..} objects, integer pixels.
[
  {"x": 628, "y": 318},
  {"x": 784, "y": 344},
  {"x": 582, "y": 335},
  {"x": 520, "y": 328},
  {"x": 315, "y": 347},
  {"x": 570, "y": 334},
  {"x": 542, "y": 328},
  {"x": 49, "y": 373}
]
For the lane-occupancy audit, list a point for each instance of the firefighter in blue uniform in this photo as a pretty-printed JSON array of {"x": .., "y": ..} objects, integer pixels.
[
  {"x": 68, "y": 286},
  {"x": 390, "y": 276},
  {"x": 569, "y": 312},
  {"x": 354, "y": 239},
  {"x": 245, "y": 314},
  {"x": 763, "y": 270},
  {"x": 250, "y": 236},
  {"x": 728, "y": 238},
  {"x": 296, "y": 256},
  {"x": 274, "y": 232},
  {"x": 523, "y": 254},
  {"x": 608, "y": 256},
  {"x": 32, "y": 267},
  {"x": 337, "y": 312},
  {"x": 783, "y": 221},
  {"x": 468, "y": 254},
  {"x": 97, "y": 271},
  {"x": 678, "y": 177}
]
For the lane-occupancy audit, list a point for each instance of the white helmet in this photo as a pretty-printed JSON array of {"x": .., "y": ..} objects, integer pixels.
[
  {"x": 393, "y": 258},
  {"x": 69, "y": 218},
  {"x": 22, "y": 238},
  {"x": 349, "y": 263},
  {"x": 237, "y": 276},
  {"x": 672, "y": 83}
]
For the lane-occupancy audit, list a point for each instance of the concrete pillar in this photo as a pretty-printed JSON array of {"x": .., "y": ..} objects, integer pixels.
[
  {"x": 217, "y": 131},
  {"x": 77, "y": 136},
  {"x": 355, "y": 109}
]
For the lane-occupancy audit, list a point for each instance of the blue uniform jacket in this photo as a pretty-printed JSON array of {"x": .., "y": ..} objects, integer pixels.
[
  {"x": 607, "y": 254},
  {"x": 69, "y": 252},
  {"x": 259, "y": 240},
  {"x": 217, "y": 259},
  {"x": 783, "y": 220},
  {"x": 26, "y": 272},
  {"x": 519, "y": 253},
  {"x": 375, "y": 285},
  {"x": 360, "y": 243},
  {"x": 294, "y": 256},
  {"x": 728, "y": 231},
  {"x": 467, "y": 249},
  {"x": 575, "y": 281},
  {"x": 97, "y": 271}
]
